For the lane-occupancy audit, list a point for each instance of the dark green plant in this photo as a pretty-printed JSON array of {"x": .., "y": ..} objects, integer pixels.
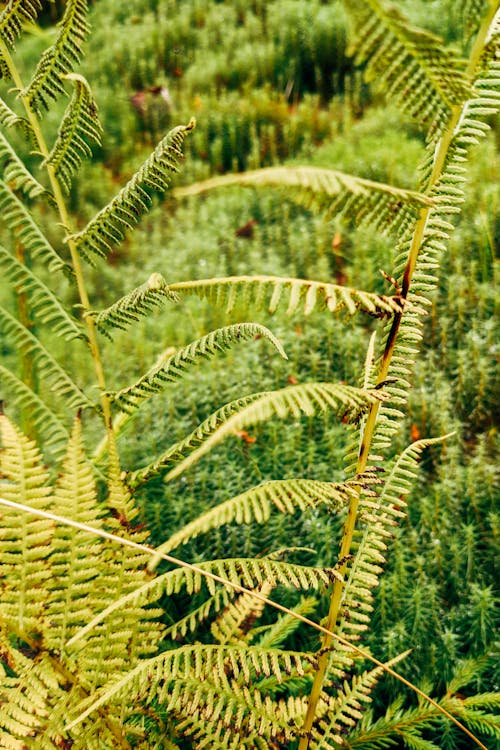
[{"x": 79, "y": 637}]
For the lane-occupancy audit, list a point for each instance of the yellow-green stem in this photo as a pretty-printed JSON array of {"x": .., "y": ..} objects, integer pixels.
[
  {"x": 75, "y": 257},
  {"x": 371, "y": 420}
]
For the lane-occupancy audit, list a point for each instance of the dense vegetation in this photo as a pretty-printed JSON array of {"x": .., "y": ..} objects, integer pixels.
[{"x": 270, "y": 83}]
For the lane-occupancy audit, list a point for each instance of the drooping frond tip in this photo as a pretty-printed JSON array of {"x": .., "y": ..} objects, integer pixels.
[
  {"x": 108, "y": 227},
  {"x": 172, "y": 369},
  {"x": 137, "y": 303},
  {"x": 79, "y": 125},
  {"x": 13, "y": 16}
]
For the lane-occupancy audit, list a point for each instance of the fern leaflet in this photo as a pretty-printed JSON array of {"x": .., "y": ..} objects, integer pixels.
[
  {"x": 79, "y": 125},
  {"x": 12, "y": 17},
  {"x": 61, "y": 382},
  {"x": 297, "y": 294},
  {"x": 286, "y": 495},
  {"x": 331, "y": 192},
  {"x": 18, "y": 218},
  {"x": 415, "y": 68},
  {"x": 130, "y": 308},
  {"x": 43, "y": 302},
  {"x": 46, "y": 422},
  {"x": 173, "y": 368},
  {"x": 58, "y": 60},
  {"x": 15, "y": 173},
  {"x": 295, "y": 401},
  {"x": 124, "y": 211}
]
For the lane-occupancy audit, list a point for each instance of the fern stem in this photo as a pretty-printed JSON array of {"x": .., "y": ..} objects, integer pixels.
[
  {"x": 75, "y": 258},
  {"x": 441, "y": 152}
]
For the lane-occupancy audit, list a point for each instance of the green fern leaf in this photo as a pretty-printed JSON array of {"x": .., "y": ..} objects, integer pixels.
[
  {"x": 137, "y": 303},
  {"x": 61, "y": 382},
  {"x": 286, "y": 495},
  {"x": 79, "y": 125},
  {"x": 14, "y": 15},
  {"x": 330, "y": 192},
  {"x": 43, "y": 303},
  {"x": 200, "y": 661},
  {"x": 248, "y": 573},
  {"x": 228, "y": 627},
  {"x": 46, "y": 422},
  {"x": 293, "y": 401},
  {"x": 24, "y": 540},
  {"x": 220, "y": 340},
  {"x": 74, "y": 560},
  {"x": 108, "y": 226},
  {"x": 18, "y": 219},
  {"x": 345, "y": 709},
  {"x": 60, "y": 58},
  {"x": 415, "y": 68},
  {"x": 272, "y": 291},
  {"x": 10, "y": 119},
  {"x": 274, "y": 635},
  {"x": 15, "y": 173}
]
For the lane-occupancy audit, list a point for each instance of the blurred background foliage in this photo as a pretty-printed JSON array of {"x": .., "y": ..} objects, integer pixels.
[{"x": 271, "y": 82}]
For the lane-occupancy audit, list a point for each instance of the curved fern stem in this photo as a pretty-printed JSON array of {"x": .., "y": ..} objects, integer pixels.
[
  {"x": 239, "y": 588},
  {"x": 441, "y": 153},
  {"x": 75, "y": 258}
]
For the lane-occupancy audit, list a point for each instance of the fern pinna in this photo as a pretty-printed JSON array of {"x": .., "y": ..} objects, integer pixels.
[{"x": 89, "y": 659}]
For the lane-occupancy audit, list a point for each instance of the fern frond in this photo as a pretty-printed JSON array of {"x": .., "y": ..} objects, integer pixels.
[
  {"x": 108, "y": 226},
  {"x": 249, "y": 573},
  {"x": 274, "y": 635},
  {"x": 137, "y": 303},
  {"x": 18, "y": 219},
  {"x": 190, "y": 622},
  {"x": 229, "y": 625},
  {"x": 298, "y": 294},
  {"x": 74, "y": 559},
  {"x": 46, "y": 422},
  {"x": 330, "y": 192},
  {"x": 220, "y": 340},
  {"x": 25, "y": 541},
  {"x": 414, "y": 67},
  {"x": 43, "y": 302},
  {"x": 79, "y": 125},
  {"x": 233, "y": 715},
  {"x": 295, "y": 401},
  {"x": 286, "y": 495},
  {"x": 200, "y": 662},
  {"x": 10, "y": 119},
  {"x": 60, "y": 58},
  {"x": 403, "y": 472},
  {"x": 60, "y": 381},
  {"x": 472, "y": 12},
  {"x": 15, "y": 173},
  {"x": 14, "y": 15}
]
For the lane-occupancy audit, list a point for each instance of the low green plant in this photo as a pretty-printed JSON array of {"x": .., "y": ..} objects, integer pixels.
[{"x": 87, "y": 659}]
